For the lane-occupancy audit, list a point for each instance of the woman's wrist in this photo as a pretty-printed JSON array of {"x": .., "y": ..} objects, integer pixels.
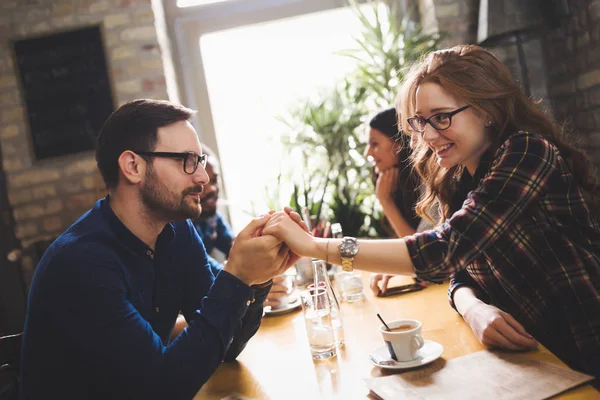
[
  {"x": 464, "y": 299},
  {"x": 387, "y": 203}
]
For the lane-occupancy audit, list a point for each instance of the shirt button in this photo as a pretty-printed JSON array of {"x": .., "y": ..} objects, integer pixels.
[{"x": 157, "y": 309}]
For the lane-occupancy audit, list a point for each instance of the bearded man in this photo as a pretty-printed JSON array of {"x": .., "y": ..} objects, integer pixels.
[{"x": 107, "y": 292}]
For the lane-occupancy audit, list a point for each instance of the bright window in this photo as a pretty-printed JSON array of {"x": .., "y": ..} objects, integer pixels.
[{"x": 256, "y": 73}]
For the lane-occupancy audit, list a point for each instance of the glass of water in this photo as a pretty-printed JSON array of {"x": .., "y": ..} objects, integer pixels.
[
  {"x": 350, "y": 285},
  {"x": 316, "y": 310}
]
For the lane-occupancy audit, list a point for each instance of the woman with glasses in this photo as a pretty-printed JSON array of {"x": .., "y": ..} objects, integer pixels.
[{"x": 518, "y": 202}]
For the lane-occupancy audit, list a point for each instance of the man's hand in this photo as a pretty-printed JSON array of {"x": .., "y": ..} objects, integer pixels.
[
  {"x": 256, "y": 259},
  {"x": 496, "y": 329}
]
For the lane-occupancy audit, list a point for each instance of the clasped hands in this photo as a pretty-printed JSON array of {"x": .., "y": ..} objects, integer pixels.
[{"x": 268, "y": 246}]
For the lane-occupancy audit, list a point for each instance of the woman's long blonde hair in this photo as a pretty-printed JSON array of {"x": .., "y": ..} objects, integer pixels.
[{"x": 473, "y": 74}]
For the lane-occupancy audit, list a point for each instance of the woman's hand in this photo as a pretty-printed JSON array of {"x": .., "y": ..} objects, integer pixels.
[
  {"x": 386, "y": 185},
  {"x": 374, "y": 283},
  {"x": 495, "y": 328},
  {"x": 288, "y": 227}
]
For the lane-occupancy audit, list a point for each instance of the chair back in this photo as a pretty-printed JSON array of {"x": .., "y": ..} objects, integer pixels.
[{"x": 10, "y": 364}]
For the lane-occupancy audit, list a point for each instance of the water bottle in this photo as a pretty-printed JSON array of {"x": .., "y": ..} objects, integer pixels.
[{"x": 321, "y": 279}]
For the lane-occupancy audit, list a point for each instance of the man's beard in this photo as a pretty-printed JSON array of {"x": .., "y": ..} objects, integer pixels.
[{"x": 159, "y": 200}]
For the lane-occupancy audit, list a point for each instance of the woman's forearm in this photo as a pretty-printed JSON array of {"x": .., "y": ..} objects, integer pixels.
[
  {"x": 399, "y": 224},
  {"x": 389, "y": 256}
]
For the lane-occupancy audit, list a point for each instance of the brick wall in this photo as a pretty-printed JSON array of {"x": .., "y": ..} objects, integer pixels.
[
  {"x": 573, "y": 58},
  {"x": 458, "y": 19},
  {"x": 47, "y": 196}
]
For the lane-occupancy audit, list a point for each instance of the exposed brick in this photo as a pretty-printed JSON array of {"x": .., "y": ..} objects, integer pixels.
[
  {"x": 20, "y": 196},
  {"x": 139, "y": 33},
  {"x": 9, "y": 131},
  {"x": 62, "y": 8},
  {"x": 89, "y": 182},
  {"x": 63, "y": 22},
  {"x": 98, "y": 6},
  {"x": 143, "y": 67},
  {"x": 8, "y": 81},
  {"x": 28, "y": 212},
  {"x": 33, "y": 177},
  {"x": 81, "y": 201},
  {"x": 26, "y": 229},
  {"x": 13, "y": 164},
  {"x": 12, "y": 114},
  {"x": 81, "y": 167},
  {"x": 35, "y": 14},
  {"x": 52, "y": 224},
  {"x": 150, "y": 50},
  {"x": 44, "y": 191},
  {"x": 128, "y": 87},
  {"x": 112, "y": 39},
  {"x": 113, "y": 20},
  {"x": 151, "y": 84},
  {"x": 69, "y": 186},
  {"x": 9, "y": 149},
  {"x": 40, "y": 27},
  {"x": 9, "y": 98},
  {"x": 131, "y": 3},
  {"x": 123, "y": 52},
  {"x": 142, "y": 17}
]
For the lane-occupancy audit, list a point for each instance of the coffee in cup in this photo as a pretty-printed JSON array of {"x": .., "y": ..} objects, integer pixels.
[
  {"x": 404, "y": 340},
  {"x": 403, "y": 328}
]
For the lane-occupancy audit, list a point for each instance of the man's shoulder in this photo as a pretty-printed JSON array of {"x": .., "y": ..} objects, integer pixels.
[{"x": 89, "y": 239}]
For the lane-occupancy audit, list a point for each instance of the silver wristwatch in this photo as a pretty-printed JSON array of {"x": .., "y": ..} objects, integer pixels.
[{"x": 348, "y": 249}]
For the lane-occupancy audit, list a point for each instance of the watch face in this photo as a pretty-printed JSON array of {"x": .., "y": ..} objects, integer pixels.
[{"x": 349, "y": 248}]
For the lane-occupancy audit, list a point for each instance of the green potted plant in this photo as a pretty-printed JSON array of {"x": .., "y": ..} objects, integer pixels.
[{"x": 334, "y": 181}]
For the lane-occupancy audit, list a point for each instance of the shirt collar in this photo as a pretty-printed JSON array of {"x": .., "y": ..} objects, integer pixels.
[{"x": 128, "y": 238}]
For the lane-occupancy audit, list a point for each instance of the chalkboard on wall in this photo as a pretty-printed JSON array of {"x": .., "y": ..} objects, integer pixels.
[{"x": 66, "y": 89}]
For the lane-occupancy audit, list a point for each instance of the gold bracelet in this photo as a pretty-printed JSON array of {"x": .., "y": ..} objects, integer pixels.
[{"x": 327, "y": 252}]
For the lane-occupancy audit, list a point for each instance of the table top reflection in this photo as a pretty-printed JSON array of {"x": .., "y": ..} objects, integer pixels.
[{"x": 277, "y": 364}]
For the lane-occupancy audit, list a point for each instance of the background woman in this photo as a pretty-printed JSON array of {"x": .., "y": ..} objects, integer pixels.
[{"x": 396, "y": 184}]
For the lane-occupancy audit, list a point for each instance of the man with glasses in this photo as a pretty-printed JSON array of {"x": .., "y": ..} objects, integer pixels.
[{"x": 106, "y": 294}]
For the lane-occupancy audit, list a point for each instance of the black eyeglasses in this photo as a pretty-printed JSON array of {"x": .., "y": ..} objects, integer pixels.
[
  {"x": 438, "y": 121},
  {"x": 190, "y": 159}
]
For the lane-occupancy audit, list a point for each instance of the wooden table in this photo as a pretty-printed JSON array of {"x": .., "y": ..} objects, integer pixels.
[{"x": 276, "y": 363}]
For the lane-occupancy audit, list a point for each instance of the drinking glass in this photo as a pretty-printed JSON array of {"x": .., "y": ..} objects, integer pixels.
[
  {"x": 316, "y": 310},
  {"x": 350, "y": 285}
]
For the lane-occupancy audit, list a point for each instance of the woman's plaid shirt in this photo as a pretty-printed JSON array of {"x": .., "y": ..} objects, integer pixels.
[{"x": 526, "y": 238}]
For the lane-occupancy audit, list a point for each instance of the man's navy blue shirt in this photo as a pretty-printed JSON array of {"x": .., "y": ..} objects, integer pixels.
[{"x": 102, "y": 306}]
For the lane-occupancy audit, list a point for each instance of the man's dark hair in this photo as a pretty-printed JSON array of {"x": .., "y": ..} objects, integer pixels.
[{"x": 134, "y": 126}]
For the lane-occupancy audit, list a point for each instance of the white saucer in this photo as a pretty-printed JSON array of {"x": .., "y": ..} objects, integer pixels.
[
  {"x": 430, "y": 352},
  {"x": 284, "y": 310}
]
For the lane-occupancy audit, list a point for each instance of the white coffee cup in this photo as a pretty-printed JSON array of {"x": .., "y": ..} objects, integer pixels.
[{"x": 404, "y": 339}]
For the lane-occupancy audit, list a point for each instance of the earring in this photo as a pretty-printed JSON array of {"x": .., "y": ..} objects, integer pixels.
[{"x": 488, "y": 124}]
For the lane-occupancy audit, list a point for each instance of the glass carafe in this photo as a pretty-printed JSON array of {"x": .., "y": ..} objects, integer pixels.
[{"x": 321, "y": 280}]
